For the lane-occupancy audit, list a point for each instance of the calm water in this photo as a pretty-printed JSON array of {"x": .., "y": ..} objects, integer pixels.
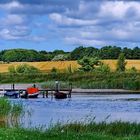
[{"x": 82, "y": 108}]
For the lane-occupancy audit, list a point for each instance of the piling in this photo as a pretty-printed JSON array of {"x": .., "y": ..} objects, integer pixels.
[{"x": 46, "y": 94}]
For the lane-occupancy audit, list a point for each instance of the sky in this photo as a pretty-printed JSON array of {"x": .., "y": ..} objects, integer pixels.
[{"x": 67, "y": 24}]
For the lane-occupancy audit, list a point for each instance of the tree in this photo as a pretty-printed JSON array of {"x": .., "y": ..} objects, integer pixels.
[
  {"x": 77, "y": 53},
  {"x": 128, "y": 53},
  {"x": 136, "y": 53},
  {"x": 121, "y": 64},
  {"x": 110, "y": 52},
  {"x": 88, "y": 64}
]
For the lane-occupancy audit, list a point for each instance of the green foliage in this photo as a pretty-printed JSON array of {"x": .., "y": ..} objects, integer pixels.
[
  {"x": 91, "y": 80},
  {"x": 121, "y": 63},
  {"x": 60, "y": 57},
  {"x": 76, "y": 131},
  {"x": 12, "y": 69},
  {"x": 10, "y": 112},
  {"x": 103, "y": 68},
  {"x": 5, "y": 107},
  {"x": 132, "y": 70},
  {"x": 54, "y": 70},
  {"x": 88, "y": 64},
  {"x": 69, "y": 69},
  {"x": 23, "y": 69},
  {"x": 107, "y": 52}
]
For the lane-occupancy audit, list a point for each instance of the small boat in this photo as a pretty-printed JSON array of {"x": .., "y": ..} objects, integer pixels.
[
  {"x": 11, "y": 94},
  {"x": 31, "y": 92},
  {"x": 60, "y": 95}
]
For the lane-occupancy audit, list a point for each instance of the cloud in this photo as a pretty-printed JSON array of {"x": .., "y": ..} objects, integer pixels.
[{"x": 75, "y": 21}]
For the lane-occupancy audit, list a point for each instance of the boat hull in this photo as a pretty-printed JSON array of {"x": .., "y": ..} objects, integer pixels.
[
  {"x": 11, "y": 94},
  {"x": 25, "y": 95},
  {"x": 60, "y": 95}
]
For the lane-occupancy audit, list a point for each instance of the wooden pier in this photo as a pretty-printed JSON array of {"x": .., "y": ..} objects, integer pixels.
[{"x": 44, "y": 92}]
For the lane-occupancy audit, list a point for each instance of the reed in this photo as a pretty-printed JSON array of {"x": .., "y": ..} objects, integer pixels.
[{"x": 10, "y": 113}]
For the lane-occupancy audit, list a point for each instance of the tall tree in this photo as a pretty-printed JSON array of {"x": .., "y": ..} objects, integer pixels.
[{"x": 121, "y": 64}]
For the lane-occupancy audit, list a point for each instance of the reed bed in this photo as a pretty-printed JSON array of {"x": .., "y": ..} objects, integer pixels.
[{"x": 10, "y": 113}]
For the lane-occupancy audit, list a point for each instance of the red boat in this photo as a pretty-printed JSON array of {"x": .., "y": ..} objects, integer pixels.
[{"x": 31, "y": 92}]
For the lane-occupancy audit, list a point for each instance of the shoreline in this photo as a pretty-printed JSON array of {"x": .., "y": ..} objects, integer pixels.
[
  {"x": 103, "y": 91},
  {"x": 78, "y": 91}
]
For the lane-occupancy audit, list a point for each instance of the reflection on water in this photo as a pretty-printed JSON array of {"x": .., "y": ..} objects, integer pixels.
[{"x": 82, "y": 108}]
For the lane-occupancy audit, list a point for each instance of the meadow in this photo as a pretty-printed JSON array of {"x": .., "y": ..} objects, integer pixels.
[{"x": 64, "y": 65}]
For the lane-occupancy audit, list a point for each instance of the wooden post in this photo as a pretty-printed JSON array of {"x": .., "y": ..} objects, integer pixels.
[
  {"x": 51, "y": 94},
  {"x": 70, "y": 90},
  {"x": 46, "y": 94},
  {"x": 56, "y": 86},
  {"x": 43, "y": 94},
  {"x": 13, "y": 86}
]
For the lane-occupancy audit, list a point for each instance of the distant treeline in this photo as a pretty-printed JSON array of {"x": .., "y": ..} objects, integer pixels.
[{"x": 107, "y": 52}]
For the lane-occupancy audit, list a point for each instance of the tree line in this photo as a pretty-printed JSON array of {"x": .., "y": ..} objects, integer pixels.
[{"x": 107, "y": 52}]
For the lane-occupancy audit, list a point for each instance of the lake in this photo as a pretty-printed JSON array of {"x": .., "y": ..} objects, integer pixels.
[{"x": 81, "y": 108}]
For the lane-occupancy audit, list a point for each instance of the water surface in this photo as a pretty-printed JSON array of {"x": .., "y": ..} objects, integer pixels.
[{"x": 82, "y": 108}]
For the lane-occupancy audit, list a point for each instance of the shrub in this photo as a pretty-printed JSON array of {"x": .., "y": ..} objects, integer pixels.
[
  {"x": 12, "y": 69},
  {"x": 54, "y": 70},
  {"x": 88, "y": 64},
  {"x": 23, "y": 69},
  {"x": 103, "y": 68},
  {"x": 121, "y": 63},
  {"x": 132, "y": 70}
]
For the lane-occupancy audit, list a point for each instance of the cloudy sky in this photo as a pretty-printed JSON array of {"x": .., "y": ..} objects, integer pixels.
[{"x": 66, "y": 24}]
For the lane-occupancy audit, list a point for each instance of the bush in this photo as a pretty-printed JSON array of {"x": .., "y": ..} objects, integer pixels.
[
  {"x": 121, "y": 62},
  {"x": 23, "y": 69},
  {"x": 12, "y": 69},
  {"x": 103, "y": 68},
  {"x": 88, "y": 64},
  {"x": 132, "y": 70},
  {"x": 54, "y": 70}
]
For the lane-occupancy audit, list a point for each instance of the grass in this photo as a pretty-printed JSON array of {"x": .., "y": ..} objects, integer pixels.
[
  {"x": 64, "y": 65},
  {"x": 130, "y": 81},
  {"x": 76, "y": 131},
  {"x": 92, "y": 80}
]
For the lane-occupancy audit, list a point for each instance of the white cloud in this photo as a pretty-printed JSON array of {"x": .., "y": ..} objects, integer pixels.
[
  {"x": 13, "y": 19},
  {"x": 11, "y": 5},
  {"x": 63, "y": 20},
  {"x": 76, "y": 21}
]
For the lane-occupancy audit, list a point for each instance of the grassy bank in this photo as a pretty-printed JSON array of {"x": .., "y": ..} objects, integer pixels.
[
  {"x": 76, "y": 131},
  {"x": 93, "y": 80}
]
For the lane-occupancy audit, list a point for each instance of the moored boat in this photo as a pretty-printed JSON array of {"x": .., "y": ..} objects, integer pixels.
[
  {"x": 60, "y": 95},
  {"x": 11, "y": 94},
  {"x": 31, "y": 92}
]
